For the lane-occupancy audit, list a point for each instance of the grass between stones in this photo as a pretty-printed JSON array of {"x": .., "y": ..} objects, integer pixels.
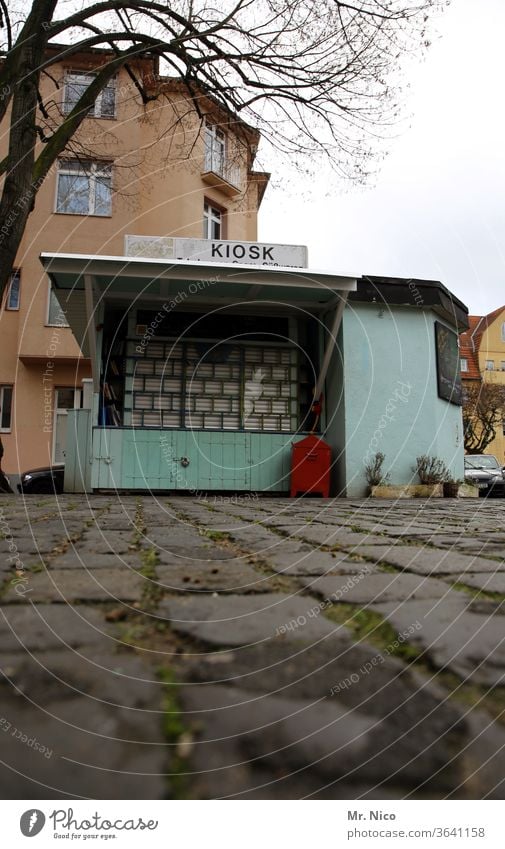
[
  {"x": 177, "y": 734},
  {"x": 139, "y": 525},
  {"x": 152, "y": 592},
  {"x": 369, "y": 626},
  {"x": 216, "y": 536},
  {"x": 482, "y": 595}
]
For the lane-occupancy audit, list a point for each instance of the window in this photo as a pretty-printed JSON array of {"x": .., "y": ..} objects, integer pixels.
[
  {"x": 14, "y": 292},
  {"x": 489, "y": 365},
  {"x": 76, "y": 83},
  {"x": 84, "y": 188},
  {"x": 215, "y": 149},
  {"x": 502, "y": 365},
  {"x": 55, "y": 314},
  {"x": 503, "y": 332},
  {"x": 212, "y": 222},
  {"x": 464, "y": 364},
  {"x": 5, "y": 408}
]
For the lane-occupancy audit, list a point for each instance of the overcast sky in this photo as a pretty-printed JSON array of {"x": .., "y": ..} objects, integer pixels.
[{"x": 437, "y": 210}]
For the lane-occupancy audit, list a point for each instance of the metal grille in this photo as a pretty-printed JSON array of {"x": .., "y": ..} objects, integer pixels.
[{"x": 204, "y": 385}]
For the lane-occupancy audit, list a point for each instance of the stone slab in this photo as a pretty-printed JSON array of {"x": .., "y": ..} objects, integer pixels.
[
  {"x": 288, "y": 735},
  {"x": 366, "y": 588},
  {"x": 470, "y": 644},
  {"x": 43, "y": 543},
  {"x": 429, "y": 561},
  {"x": 193, "y": 553},
  {"x": 81, "y": 559},
  {"x": 303, "y": 561},
  {"x": 115, "y": 542},
  {"x": 69, "y": 585},
  {"x": 47, "y": 626},
  {"x": 233, "y": 620},
  {"x": 99, "y": 723},
  {"x": 483, "y": 581},
  {"x": 233, "y": 575},
  {"x": 317, "y": 738},
  {"x": 331, "y": 536}
]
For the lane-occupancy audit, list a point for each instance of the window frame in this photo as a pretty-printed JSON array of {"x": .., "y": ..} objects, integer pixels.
[
  {"x": 50, "y": 295},
  {"x": 16, "y": 274},
  {"x": 3, "y": 387},
  {"x": 209, "y": 220},
  {"x": 96, "y": 110},
  {"x": 489, "y": 365},
  {"x": 463, "y": 361},
  {"x": 215, "y": 148},
  {"x": 97, "y": 169}
]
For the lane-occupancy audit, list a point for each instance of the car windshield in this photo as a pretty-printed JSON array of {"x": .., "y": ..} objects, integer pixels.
[{"x": 482, "y": 461}]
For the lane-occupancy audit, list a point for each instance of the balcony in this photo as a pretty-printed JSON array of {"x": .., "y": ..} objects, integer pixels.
[{"x": 221, "y": 174}]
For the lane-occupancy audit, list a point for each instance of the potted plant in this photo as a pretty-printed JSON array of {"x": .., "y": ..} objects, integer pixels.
[
  {"x": 433, "y": 475},
  {"x": 451, "y": 488},
  {"x": 374, "y": 474}
]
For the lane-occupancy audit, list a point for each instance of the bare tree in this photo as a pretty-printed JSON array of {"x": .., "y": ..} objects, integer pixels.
[
  {"x": 314, "y": 76},
  {"x": 483, "y": 414}
]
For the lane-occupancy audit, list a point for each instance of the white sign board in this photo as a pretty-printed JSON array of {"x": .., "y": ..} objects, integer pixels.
[{"x": 219, "y": 251}]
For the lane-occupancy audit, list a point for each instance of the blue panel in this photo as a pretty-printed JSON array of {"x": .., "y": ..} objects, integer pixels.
[
  {"x": 107, "y": 458},
  {"x": 152, "y": 459},
  {"x": 390, "y": 395},
  {"x": 270, "y": 461}
]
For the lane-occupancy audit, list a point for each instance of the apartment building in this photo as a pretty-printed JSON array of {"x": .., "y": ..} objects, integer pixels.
[
  {"x": 482, "y": 359},
  {"x": 171, "y": 167}
]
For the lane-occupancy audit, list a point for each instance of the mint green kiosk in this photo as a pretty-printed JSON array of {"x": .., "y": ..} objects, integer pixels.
[{"x": 206, "y": 370}]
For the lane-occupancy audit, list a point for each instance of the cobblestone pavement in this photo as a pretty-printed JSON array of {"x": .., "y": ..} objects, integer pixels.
[{"x": 176, "y": 647}]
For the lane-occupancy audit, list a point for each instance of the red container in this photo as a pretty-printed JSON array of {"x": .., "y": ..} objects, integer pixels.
[{"x": 310, "y": 467}]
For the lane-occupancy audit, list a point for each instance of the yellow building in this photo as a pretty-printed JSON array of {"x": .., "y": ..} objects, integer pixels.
[
  {"x": 154, "y": 169},
  {"x": 482, "y": 351}
]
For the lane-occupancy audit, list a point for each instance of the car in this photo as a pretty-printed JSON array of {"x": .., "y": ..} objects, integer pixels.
[
  {"x": 485, "y": 472},
  {"x": 47, "y": 480}
]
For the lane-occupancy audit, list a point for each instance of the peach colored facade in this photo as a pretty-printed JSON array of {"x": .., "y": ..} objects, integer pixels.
[
  {"x": 483, "y": 354},
  {"x": 492, "y": 367},
  {"x": 160, "y": 181}
]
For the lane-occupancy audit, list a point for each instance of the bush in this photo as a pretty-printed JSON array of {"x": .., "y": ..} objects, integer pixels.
[
  {"x": 373, "y": 470},
  {"x": 431, "y": 470}
]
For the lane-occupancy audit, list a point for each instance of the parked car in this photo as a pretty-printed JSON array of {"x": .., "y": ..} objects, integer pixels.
[
  {"x": 485, "y": 472},
  {"x": 43, "y": 481}
]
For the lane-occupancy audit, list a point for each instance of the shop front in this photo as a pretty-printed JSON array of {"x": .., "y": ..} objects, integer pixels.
[{"x": 206, "y": 362}]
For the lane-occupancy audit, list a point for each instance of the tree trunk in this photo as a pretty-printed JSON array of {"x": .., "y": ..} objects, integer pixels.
[{"x": 19, "y": 189}]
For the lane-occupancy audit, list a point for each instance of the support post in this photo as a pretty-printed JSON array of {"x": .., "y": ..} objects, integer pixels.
[
  {"x": 330, "y": 344},
  {"x": 91, "y": 330}
]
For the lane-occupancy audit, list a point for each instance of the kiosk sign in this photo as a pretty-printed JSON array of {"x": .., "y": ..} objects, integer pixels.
[{"x": 217, "y": 250}]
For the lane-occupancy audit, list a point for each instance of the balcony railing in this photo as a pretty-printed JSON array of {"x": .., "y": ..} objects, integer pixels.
[{"x": 218, "y": 171}]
